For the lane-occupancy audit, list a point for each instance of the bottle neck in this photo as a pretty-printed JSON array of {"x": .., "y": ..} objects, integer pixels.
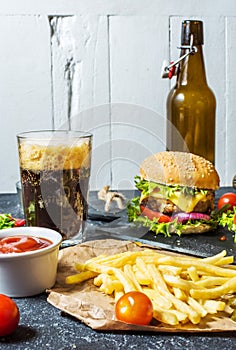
[{"x": 192, "y": 69}]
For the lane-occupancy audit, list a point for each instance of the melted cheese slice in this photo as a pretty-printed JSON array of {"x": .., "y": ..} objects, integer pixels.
[{"x": 185, "y": 203}]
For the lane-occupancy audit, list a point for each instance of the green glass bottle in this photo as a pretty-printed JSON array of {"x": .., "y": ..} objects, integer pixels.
[{"x": 191, "y": 104}]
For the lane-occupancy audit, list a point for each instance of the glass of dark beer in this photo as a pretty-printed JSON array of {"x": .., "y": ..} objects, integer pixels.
[{"x": 55, "y": 171}]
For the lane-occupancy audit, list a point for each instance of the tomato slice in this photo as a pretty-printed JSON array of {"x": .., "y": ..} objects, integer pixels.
[
  {"x": 134, "y": 307},
  {"x": 151, "y": 214},
  {"x": 235, "y": 219},
  {"x": 19, "y": 222}
]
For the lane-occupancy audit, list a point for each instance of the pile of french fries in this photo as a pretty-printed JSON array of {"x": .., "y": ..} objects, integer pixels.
[{"x": 181, "y": 288}]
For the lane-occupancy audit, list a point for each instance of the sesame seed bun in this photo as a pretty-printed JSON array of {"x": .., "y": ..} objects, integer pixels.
[{"x": 180, "y": 168}]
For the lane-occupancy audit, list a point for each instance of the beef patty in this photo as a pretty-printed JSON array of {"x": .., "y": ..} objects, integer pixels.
[{"x": 165, "y": 206}]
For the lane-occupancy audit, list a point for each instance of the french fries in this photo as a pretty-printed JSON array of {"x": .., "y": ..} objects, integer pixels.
[{"x": 182, "y": 289}]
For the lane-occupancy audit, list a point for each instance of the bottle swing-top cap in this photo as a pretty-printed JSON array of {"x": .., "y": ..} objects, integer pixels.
[
  {"x": 191, "y": 34},
  {"x": 194, "y": 28}
]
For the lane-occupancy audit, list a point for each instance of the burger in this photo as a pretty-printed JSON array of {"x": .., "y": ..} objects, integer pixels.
[{"x": 177, "y": 193}]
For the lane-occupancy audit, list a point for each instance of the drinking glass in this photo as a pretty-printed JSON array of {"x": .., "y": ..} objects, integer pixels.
[{"x": 55, "y": 171}]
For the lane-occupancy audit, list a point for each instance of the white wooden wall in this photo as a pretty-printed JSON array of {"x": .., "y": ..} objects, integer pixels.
[{"x": 96, "y": 65}]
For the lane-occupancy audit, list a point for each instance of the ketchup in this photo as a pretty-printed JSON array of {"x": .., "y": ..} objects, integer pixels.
[{"x": 21, "y": 244}]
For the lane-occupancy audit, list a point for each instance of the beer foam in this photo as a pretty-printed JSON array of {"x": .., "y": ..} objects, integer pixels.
[{"x": 37, "y": 157}]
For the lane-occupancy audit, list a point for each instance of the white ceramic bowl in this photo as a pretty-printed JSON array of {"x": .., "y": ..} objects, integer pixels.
[{"x": 29, "y": 273}]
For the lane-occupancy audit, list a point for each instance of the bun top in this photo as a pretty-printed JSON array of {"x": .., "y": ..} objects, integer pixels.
[{"x": 180, "y": 168}]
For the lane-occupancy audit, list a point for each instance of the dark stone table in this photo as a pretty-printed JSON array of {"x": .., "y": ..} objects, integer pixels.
[{"x": 44, "y": 327}]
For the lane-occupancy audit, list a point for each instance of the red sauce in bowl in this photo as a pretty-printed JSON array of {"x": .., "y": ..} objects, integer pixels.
[{"x": 21, "y": 244}]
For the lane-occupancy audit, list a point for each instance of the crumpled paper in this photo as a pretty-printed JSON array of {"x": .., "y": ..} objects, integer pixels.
[{"x": 86, "y": 303}]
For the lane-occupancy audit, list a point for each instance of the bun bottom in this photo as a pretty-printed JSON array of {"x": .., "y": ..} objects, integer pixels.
[{"x": 198, "y": 229}]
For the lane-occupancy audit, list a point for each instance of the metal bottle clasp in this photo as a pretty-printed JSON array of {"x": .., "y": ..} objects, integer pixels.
[{"x": 169, "y": 70}]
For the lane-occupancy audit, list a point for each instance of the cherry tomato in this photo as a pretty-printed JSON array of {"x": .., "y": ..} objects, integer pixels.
[
  {"x": 151, "y": 214},
  {"x": 9, "y": 315},
  {"x": 227, "y": 198},
  {"x": 134, "y": 307}
]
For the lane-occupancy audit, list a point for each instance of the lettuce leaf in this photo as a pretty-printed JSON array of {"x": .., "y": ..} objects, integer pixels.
[
  {"x": 134, "y": 214},
  {"x": 6, "y": 221},
  {"x": 223, "y": 217},
  {"x": 147, "y": 187},
  {"x": 226, "y": 219}
]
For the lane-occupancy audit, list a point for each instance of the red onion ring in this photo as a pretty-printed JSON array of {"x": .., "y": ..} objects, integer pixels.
[{"x": 183, "y": 217}]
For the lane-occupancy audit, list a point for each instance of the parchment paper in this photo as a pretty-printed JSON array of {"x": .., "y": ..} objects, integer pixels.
[{"x": 87, "y": 304}]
